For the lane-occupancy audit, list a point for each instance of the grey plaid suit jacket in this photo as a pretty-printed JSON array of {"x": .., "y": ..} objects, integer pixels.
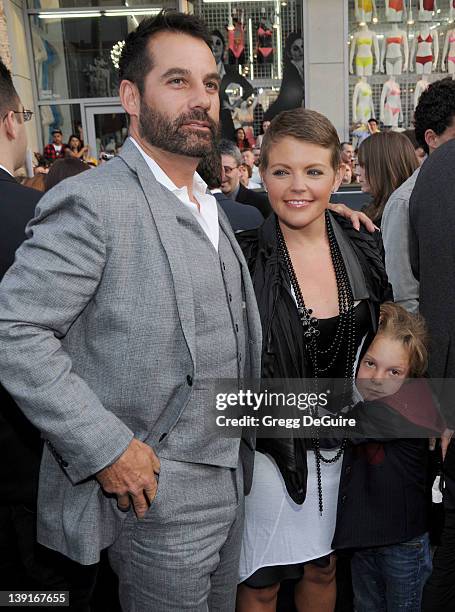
[{"x": 97, "y": 337}]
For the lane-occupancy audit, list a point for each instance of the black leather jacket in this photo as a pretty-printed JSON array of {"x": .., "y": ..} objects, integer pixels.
[{"x": 283, "y": 351}]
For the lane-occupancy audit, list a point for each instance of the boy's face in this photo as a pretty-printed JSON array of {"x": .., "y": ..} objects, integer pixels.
[{"x": 383, "y": 368}]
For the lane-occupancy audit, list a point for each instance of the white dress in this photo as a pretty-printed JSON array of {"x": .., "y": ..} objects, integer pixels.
[{"x": 280, "y": 532}]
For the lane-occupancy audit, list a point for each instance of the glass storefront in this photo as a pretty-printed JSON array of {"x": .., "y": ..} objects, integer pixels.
[{"x": 396, "y": 48}]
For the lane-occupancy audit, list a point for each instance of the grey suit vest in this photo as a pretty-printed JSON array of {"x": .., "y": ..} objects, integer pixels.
[{"x": 220, "y": 347}]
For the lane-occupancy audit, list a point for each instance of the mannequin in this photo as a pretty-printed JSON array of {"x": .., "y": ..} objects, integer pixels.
[
  {"x": 231, "y": 82},
  {"x": 365, "y": 42},
  {"x": 395, "y": 49},
  {"x": 426, "y": 9},
  {"x": 391, "y": 111},
  {"x": 395, "y": 10},
  {"x": 421, "y": 86},
  {"x": 362, "y": 102},
  {"x": 364, "y": 10},
  {"x": 448, "y": 53},
  {"x": 425, "y": 50}
]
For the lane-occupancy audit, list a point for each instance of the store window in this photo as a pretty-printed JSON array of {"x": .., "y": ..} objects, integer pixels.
[
  {"x": 74, "y": 56},
  {"x": 258, "y": 47},
  {"x": 396, "y": 48}
]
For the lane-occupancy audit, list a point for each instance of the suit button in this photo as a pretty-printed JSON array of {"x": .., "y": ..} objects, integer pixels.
[
  {"x": 343, "y": 499},
  {"x": 162, "y": 437},
  {"x": 63, "y": 463},
  {"x": 189, "y": 380},
  {"x": 240, "y": 357},
  {"x": 237, "y": 327},
  {"x": 224, "y": 265},
  {"x": 348, "y": 469},
  {"x": 230, "y": 297}
]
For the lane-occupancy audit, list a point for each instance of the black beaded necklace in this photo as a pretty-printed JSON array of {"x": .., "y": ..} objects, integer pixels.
[{"x": 345, "y": 329}]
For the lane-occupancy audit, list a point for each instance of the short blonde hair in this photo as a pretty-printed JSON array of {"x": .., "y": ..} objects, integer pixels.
[{"x": 398, "y": 324}]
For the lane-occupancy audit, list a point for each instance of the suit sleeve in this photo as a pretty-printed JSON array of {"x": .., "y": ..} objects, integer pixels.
[{"x": 55, "y": 275}]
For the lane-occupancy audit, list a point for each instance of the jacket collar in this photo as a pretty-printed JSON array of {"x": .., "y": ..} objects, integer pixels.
[
  {"x": 6, "y": 176},
  {"x": 267, "y": 234}
]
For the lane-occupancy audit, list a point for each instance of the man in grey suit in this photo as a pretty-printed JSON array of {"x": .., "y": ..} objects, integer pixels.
[{"x": 129, "y": 297}]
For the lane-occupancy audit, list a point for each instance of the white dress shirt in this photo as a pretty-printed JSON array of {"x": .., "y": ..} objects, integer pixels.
[{"x": 206, "y": 214}]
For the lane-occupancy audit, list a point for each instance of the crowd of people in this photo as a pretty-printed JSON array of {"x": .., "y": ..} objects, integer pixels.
[{"x": 129, "y": 289}]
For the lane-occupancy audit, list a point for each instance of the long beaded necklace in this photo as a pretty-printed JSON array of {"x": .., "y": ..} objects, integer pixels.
[{"x": 345, "y": 330}]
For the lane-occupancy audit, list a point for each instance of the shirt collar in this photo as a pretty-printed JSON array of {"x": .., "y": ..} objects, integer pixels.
[
  {"x": 6, "y": 170},
  {"x": 199, "y": 185}
]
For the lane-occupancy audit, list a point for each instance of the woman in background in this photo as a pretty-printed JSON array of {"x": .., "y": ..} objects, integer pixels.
[
  {"x": 75, "y": 148},
  {"x": 385, "y": 161}
]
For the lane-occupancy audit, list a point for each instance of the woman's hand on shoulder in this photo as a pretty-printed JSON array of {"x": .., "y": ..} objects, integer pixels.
[{"x": 356, "y": 217}]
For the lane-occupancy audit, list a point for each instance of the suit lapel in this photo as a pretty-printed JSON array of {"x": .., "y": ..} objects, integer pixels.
[{"x": 162, "y": 204}]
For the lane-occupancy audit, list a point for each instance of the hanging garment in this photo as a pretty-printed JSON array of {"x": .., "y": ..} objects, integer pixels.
[
  {"x": 396, "y": 5},
  {"x": 428, "y": 5},
  {"x": 265, "y": 44},
  {"x": 236, "y": 44}
]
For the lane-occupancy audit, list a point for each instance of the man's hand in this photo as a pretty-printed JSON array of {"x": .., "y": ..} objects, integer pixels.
[
  {"x": 446, "y": 437},
  {"x": 354, "y": 216},
  {"x": 132, "y": 477}
]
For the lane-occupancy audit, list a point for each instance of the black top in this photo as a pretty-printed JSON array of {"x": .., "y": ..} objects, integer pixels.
[
  {"x": 284, "y": 354},
  {"x": 19, "y": 440}
]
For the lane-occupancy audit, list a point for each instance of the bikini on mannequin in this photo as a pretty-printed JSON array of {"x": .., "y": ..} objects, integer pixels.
[
  {"x": 395, "y": 10},
  {"x": 448, "y": 53},
  {"x": 264, "y": 48},
  {"x": 363, "y": 44},
  {"x": 395, "y": 49},
  {"x": 236, "y": 43},
  {"x": 362, "y": 102},
  {"x": 420, "y": 87},
  {"x": 390, "y": 106},
  {"x": 426, "y": 9},
  {"x": 425, "y": 50},
  {"x": 365, "y": 10}
]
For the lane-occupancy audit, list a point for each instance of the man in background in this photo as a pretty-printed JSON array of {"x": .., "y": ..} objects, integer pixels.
[
  {"x": 231, "y": 158},
  {"x": 241, "y": 217},
  {"x": 434, "y": 122},
  {"x": 56, "y": 149},
  {"x": 249, "y": 159}
]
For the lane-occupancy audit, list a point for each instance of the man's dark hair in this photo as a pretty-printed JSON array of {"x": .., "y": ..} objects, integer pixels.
[
  {"x": 8, "y": 94},
  {"x": 435, "y": 110},
  {"x": 136, "y": 61},
  {"x": 342, "y": 145},
  {"x": 372, "y": 120},
  {"x": 209, "y": 169},
  {"x": 64, "y": 168}
]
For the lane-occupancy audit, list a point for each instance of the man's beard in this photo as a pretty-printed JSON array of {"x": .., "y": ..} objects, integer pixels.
[{"x": 169, "y": 135}]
